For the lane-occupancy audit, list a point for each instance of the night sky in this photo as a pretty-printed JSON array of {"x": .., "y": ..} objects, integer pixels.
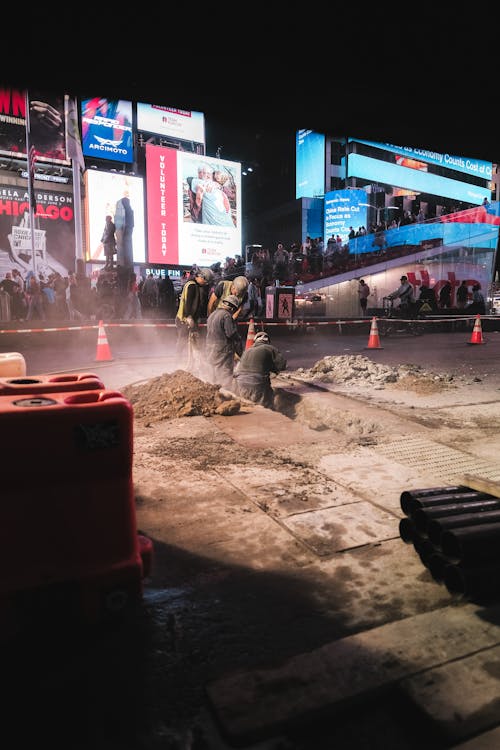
[{"x": 405, "y": 76}]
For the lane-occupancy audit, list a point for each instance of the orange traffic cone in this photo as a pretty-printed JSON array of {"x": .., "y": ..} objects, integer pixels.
[
  {"x": 477, "y": 332},
  {"x": 103, "y": 353},
  {"x": 373, "y": 339},
  {"x": 250, "y": 334}
]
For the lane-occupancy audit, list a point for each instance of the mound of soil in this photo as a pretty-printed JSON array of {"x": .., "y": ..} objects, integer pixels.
[{"x": 175, "y": 395}]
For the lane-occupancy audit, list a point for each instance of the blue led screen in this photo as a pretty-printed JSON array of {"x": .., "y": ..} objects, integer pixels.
[
  {"x": 366, "y": 168},
  {"x": 343, "y": 209},
  {"x": 310, "y": 164},
  {"x": 475, "y": 167}
]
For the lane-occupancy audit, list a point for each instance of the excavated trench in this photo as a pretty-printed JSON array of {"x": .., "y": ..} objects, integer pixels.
[
  {"x": 320, "y": 408},
  {"x": 446, "y": 441}
]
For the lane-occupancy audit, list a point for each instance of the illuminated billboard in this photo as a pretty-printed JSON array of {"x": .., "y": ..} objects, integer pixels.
[
  {"x": 345, "y": 209},
  {"x": 107, "y": 129},
  {"x": 178, "y": 124},
  {"x": 475, "y": 227},
  {"x": 375, "y": 170},
  {"x": 194, "y": 207},
  {"x": 47, "y": 124},
  {"x": 310, "y": 164},
  {"x": 103, "y": 191},
  {"x": 466, "y": 165},
  {"x": 54, "y": 221}
]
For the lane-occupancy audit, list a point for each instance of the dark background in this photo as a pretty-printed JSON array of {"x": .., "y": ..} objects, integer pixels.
[{"x": 408, "y": 75}]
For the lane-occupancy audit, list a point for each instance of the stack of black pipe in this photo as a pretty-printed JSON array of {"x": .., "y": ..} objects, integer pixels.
[{"x": 456, "y": 533}]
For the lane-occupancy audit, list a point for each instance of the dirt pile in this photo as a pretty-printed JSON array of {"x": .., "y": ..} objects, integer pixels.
[
  {"x": 180, "y": 394},
  {"x": 358, "y": 370},
  {"x": 175, "y": 395}
]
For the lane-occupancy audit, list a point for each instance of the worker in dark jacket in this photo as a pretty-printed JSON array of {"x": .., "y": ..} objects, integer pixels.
[
  {"x": 253, "y": 371},
  {"x": 192, "y": 305},
  {"x": 223, "y": 342}
]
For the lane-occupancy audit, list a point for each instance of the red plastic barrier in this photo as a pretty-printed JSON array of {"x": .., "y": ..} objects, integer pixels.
[
  {"x": 67, "y": 510},
  {"x": 19, "y": 385}
]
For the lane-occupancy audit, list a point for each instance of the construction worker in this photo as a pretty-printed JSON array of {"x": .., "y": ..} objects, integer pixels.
[
  {"x": 252, "y": 373},
  {"x": 223, "y": 289},
  {"x": 223, "y": 342},
  {"x": 191, "y": 307}
]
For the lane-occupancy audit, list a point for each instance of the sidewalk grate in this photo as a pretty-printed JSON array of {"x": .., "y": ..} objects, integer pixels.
[{"x": 446, "y": 463}]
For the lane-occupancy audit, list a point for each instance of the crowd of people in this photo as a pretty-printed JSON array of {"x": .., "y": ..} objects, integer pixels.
[
  {"x": 430, "y": 301},
  {"x": 215, "y": 295},
  {"x": 116, "y": 292}
]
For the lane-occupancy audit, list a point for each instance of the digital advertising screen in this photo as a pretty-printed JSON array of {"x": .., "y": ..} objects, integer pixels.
[
  {"x": 475, "y": 227},
  {"x": 194, "y": 207},
  {"x": 374, "y": 170},
  {"x": 178, "y": 124},
  {"x": 344, "y": 209},
  {"x": 107, "y": 129},
  {"x": 47, "y": 124},
  {"x": 310, "y": 164},
  {"x": 103, "y": 191},
  {"x": 464, "y": 164}
]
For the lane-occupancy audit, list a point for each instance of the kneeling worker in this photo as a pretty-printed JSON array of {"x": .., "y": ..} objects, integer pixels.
[{"x": 253, "y": 371}]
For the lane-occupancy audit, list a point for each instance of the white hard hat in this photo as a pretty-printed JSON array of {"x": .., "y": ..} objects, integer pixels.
[{"x": 261, "y": 337}]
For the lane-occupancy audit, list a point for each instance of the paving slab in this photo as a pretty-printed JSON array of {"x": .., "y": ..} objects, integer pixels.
[
  {"x": 257, "y": 427},
  {"x": 287, "y": 498},
  {"x": 330, "y": 530},
  {"x": 485, "y": 741},
  {"x": 253, "y": 704},
  {"x": 462, "y": 697}
]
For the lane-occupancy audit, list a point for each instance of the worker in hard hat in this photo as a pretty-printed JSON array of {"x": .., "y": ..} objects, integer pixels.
[
  {"x": 253, "y": 372},
  {"x": 192, "y": 305},
  {"x": 237, "y": 286},
  {"x": 223, "y": 342}
]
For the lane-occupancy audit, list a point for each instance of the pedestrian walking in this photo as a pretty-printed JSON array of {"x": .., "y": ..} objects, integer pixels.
[
  {"x": 445, "y": 295},
  {"x": 363, "y": 292},
  {"x": 478, "y": 305},
  {"x": 462, "y": 295}
]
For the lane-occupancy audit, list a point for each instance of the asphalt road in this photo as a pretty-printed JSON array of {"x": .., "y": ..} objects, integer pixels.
[{"x": 76, "y": 348}]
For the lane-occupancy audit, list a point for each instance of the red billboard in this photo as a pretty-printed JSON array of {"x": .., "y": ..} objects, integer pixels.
[{"x": 194, "y": 207}]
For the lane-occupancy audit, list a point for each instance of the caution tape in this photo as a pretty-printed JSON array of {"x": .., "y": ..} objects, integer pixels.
[{"x": 293, "y": 324}]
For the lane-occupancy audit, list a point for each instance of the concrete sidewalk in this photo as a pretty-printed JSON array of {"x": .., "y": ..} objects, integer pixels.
[
  {"x": 307, "y": 522},
  {"x": 429, "y": 657}
]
